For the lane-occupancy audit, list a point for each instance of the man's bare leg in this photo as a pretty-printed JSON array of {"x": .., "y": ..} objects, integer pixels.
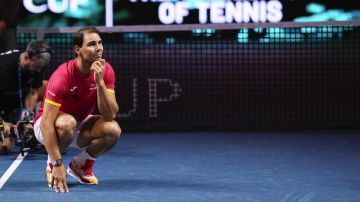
[{"x": 99, "y": 135}]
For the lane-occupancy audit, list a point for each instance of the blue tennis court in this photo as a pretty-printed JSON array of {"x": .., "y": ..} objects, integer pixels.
[{"x": 206, "y": 166}]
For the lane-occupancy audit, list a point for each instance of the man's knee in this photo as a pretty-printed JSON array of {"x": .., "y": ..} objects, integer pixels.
[
  {"x": 112, "y": 130},
  {"x": 65, "y": 126}
]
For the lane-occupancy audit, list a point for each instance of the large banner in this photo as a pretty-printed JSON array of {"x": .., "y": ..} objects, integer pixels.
[{"x": 59, "y": 13}]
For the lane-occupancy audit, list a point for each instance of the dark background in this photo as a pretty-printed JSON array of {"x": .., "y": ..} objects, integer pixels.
[
  {"x": 226, "y": 81},
  {"x": 304, "y": 81}
]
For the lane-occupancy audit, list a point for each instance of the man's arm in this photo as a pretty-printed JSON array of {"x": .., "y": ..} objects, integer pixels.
[
  {"x": 47, "y": 127},
  {"x": 31, "y": 99},
  {"x": 107, "y": 104},
  {"x": 7, "y": 127},
  {"x": 37, "y": 94}
]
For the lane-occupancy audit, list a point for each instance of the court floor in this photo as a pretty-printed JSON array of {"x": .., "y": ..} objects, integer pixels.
[{"x": 205, "y": 166}]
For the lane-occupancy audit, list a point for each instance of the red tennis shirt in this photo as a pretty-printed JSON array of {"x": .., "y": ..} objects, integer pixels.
[{"x": 73, "y": 92}]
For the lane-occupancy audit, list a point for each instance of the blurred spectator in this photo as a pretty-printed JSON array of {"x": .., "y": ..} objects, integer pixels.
[
  {"x": 21, "y": 82},
  {"x": 9, "y": 10}
]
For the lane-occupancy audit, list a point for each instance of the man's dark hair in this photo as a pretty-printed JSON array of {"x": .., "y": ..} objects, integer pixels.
[
  {"x": 78, "y": 37},
  {"x": 39, "y": 50}
]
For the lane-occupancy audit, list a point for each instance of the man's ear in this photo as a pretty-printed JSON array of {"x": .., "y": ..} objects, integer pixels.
[
  {"x": 26, "y": 56},
  {"x": 25, "y": 59},
  {"x": 77, "y": 49}
]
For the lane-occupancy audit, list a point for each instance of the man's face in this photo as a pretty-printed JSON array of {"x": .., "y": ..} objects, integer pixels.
[
  {"x": 92, "y": 48},
  {"x": 35, "y": 65}
]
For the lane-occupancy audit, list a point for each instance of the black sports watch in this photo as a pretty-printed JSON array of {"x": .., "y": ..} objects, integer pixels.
[{"x": 57, "y": 162}]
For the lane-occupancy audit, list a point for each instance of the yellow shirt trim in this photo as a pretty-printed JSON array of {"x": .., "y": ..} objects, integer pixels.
[
  {"x": 111, "y": 91},
  {"x": 52, "y": 102}
]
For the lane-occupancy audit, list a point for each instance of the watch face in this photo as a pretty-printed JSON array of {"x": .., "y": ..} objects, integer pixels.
[{"x": 58, "y": 162}]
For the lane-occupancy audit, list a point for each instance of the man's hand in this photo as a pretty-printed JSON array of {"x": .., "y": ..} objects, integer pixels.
[
  {"x": 28, "y": 128},
  {"x": 98, "y": 67},
  {"x": 59, "y": 179},
  {"x": 7, "y": 128}
]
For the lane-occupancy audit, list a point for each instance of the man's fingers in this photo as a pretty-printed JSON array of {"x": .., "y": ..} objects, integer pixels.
[
  {"x": 56, "y": 186},
  {"x": 52, "y": 182},
  {"x": 66, "y": 186},
  {"x": 61, "y": 186},
  {"x": 98, "y": 64},
  {"x": 102, "y": 61}
]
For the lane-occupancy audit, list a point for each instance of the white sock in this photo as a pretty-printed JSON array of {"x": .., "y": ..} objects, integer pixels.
[
  {"x": 48, "y": 160},
  {"x": 82, "y": 157}
]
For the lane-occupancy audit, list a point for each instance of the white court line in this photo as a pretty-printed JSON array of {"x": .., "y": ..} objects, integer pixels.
[{"x": 11, "y": 169}]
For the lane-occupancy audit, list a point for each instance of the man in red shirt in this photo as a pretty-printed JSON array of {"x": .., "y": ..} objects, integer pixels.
[{"x": 75, "y": 90}]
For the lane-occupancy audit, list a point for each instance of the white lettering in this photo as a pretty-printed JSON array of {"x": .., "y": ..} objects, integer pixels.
[
  {"x": 54, "y": 6},
  {"x": 51, "y": 93},
  {"x": 203, "y": 6},
  {"x": 222, "y": 11},
  {"x": 73, "y": 88},
  {"x": 217, "y": 12},
  {"x": 251, "y": 11},
  {"x": 274, "y": 9},
  {"x": 167, "y": 13},
  {"x": 233, "y": 12},
  {"x": 262, "y": 11},
  {"x": 181, "y": 11},
  {"x": 30, "y": 6}
]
